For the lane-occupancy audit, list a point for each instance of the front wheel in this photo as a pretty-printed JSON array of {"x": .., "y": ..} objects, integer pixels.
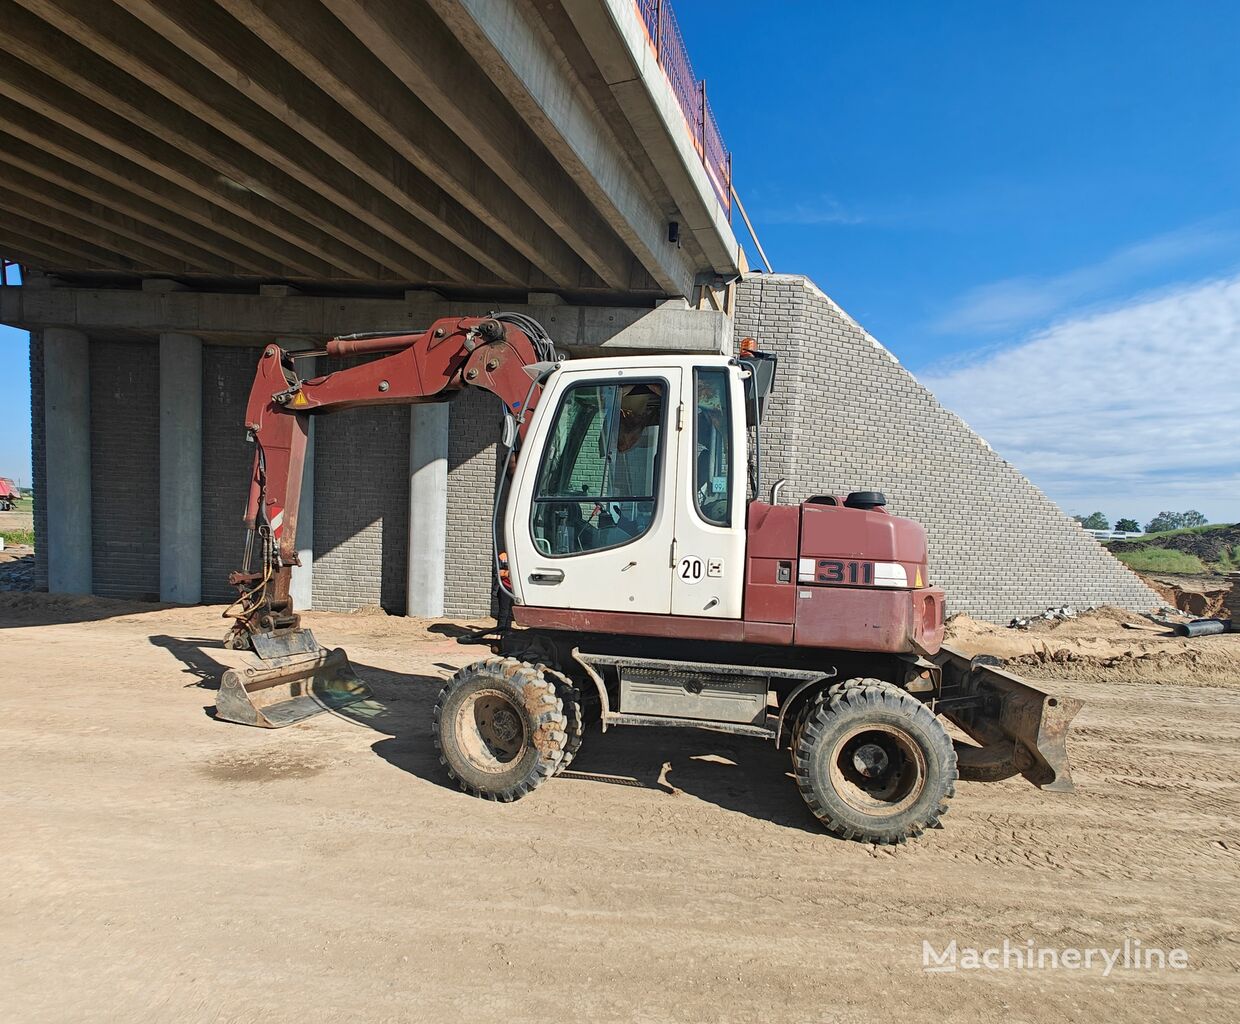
[
  {"x": 500, "y": 728},
  {"x": 874, "y": 764}
]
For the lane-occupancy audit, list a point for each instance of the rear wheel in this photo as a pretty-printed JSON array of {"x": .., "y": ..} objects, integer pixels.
[
  {"x": 500, "y": 728},
  {"x": 873, "y": 763}
]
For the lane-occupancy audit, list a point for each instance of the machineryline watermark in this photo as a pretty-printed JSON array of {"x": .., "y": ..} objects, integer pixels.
[{"x": 1131, "y": 955}]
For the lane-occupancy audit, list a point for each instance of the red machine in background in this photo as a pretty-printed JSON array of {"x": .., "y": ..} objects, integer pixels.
[
  {"x": 640, "y": 584},
  {"x": 9, "y": 494}
]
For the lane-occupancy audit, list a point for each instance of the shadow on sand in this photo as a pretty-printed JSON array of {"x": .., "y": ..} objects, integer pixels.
[{"x": 738, "y": 773}]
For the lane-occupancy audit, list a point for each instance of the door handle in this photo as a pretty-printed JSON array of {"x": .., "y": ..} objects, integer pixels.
[{"x": 547, "y": 576}]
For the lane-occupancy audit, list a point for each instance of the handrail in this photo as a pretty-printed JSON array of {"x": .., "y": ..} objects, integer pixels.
[{"x": 669, "y": 47}]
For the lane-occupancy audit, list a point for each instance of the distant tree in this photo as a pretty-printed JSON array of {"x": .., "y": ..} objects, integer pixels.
[
  {"x": 1175, "y": 521},
  {"x": 1128, "y": 526},
  {"x": 1162, "y": 522},
  {"x": 1095, "y": 521}
]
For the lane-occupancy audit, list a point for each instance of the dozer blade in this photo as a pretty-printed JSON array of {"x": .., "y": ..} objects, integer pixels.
[
  {"x": 1021, "y": 729},
  {"x": 290, "y": 689}
]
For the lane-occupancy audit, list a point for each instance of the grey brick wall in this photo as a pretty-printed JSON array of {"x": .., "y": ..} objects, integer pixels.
[
  {"x": 227, "y": 372},
  {"x": 846, "y": 416},
  {"x": 38, "y": 460},
  {"x": 124, "y": 468},
  {"x": 361, "y": 506},
  {"x": 474, "y": 423}
]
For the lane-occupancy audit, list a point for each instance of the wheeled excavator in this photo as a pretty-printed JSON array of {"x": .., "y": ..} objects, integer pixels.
[{"x": 642, "y": 581}]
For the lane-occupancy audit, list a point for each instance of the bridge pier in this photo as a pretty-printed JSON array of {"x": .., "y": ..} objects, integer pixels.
[
  {"x": 66, "y": 478},
  {"x": 180, "y": 468},
  {"x": 428, "y": 510}
]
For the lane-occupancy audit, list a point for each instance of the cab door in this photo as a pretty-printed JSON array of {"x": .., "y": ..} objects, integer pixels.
[
  {"x": 709, "y": 565},
  {"x": 591, "y": 523}
]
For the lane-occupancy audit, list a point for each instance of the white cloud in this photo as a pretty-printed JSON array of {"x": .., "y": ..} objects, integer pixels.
[
  {"x": 1023, "y": 301},
  {"x": 820, "y": 210},
  {"x": 1128, "y": 411}
]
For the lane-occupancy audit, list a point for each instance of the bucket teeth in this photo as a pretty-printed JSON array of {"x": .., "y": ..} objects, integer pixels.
[{"x": 287, "y": 690}]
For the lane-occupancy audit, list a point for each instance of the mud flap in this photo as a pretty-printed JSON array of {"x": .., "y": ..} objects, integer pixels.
[
  {"x": 289, "y": 689},
  {"x": 1020, "y": 729}
]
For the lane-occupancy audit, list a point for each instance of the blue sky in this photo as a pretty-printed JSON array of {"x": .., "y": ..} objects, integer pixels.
[
  {"x": 1035, "y": 206},
  {"x": 14, "y": 400}
]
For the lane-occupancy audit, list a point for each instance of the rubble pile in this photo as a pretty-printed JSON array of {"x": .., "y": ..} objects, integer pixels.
[{"x": 16, "y": 568}]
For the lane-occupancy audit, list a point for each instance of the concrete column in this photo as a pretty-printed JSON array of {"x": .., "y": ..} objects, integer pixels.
[
  {"x": 428, "y": 508},
  {"x": 66, "y": 488},
  {"x": 301, "y": 586},
  {"x": 180, "y": 468}
]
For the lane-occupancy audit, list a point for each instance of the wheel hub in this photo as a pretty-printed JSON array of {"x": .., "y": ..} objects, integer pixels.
[
  {"x": 878, "y": 769},
  {"x": 505, "y": 725},
  {"x": 491, "y": 731},
  {"x": 870, "y": 761}
]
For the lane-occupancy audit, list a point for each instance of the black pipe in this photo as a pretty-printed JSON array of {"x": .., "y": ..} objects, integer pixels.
[{"x": 1203, "y": 627}]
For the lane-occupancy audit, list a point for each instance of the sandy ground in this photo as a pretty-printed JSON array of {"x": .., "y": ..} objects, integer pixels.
[
  {"x": 162, "y": 866},
  {"x": 20, "y": 518}
]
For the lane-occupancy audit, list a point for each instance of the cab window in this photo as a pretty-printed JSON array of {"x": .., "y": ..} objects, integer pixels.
[
  {"x": 598, "y": 483},
  {"x": 712, "y": 446}
]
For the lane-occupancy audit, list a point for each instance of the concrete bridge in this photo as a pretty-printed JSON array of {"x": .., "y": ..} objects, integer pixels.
[
  {"x": 179, "y": 178},
  {"x": 477, "y": 147}
]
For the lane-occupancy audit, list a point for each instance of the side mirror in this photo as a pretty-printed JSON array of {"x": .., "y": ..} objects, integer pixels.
[
  {"x": 508, "y": 435},
  {"x": 759, "y": 385}
]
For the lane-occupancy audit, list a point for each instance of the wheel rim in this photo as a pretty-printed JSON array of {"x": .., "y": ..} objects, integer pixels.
[
  {"x": 879, "y": 770},
  {"x": 491, "y": 731}
]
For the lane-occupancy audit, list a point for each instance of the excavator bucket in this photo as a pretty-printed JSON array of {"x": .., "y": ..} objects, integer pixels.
[
  {"x": 1020, "y": 729},
  {"x": 289, "y": 689}
]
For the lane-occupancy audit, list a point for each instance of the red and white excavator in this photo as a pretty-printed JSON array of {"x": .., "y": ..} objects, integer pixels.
[{"x": 641, "y": 582}]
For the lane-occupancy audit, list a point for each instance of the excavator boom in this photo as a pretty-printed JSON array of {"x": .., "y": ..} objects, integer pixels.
[{"x": 500, "y": 353}]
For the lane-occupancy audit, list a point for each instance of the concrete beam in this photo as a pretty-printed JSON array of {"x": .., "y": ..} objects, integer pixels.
[
  {"x": 452, "y": 144},
  {"x": 43, "y": 236},
  {"x": 106, "y": 178},
  {"x": 672, "y": 327},
  {"x": 196, "y": 157},
  {"x": 67, "y": 178},
  {"x": 298, "y": 124},
  {"x": 616, "y": 38},
  {"x": 103, "y": 54},
  {"x": 309, "y": 39},
  {"x": 104, "y": 228},
  {"x": 428, "y": 509},
  {"x": 180, "y": 468},
  {"x": 519, "y": 55},
  {"x": 66, "y": 488},
  {"x": 419, "y": 50},
  {"x": 36, "y": 252},
  {"x": 364, "y": 95}
]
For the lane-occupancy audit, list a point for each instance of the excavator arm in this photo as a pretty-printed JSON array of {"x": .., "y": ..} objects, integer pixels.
[{"x": 504, "y": 353}]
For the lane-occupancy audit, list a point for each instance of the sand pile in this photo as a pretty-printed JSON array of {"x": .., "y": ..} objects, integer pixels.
[{"x": 1104, "y": 644}]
